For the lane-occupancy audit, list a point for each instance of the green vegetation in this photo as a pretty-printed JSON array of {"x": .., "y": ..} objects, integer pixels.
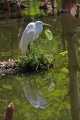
[
  {"x": 46, "y": 51},
  {"x": 35, "y": 62}
]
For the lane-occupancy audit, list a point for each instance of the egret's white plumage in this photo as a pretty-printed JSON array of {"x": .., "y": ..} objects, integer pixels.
[{"x": 31, "y": 33}]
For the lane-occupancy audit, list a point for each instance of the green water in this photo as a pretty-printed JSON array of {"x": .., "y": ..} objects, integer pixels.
[
  {"x": 8, "y": 38},
  {"x": 11, "y": 87}
]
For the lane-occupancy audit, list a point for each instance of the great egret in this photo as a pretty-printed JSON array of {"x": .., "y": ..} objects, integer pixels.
[{"x": 31, "y": 33}]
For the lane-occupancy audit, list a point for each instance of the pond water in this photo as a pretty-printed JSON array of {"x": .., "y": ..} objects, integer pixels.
[{"x": 37, "y": 96}]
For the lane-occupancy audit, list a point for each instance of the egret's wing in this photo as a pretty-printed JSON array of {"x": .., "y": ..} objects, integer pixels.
[
  {"x": 30, "y": 26},
  {"x": 27, "y": 37}
]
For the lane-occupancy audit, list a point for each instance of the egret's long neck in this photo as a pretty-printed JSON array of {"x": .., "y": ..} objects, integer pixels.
[{"x": 39, "y": 28}]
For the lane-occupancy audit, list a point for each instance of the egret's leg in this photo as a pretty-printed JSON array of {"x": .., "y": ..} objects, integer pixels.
[{"x": 29, "y": 47}]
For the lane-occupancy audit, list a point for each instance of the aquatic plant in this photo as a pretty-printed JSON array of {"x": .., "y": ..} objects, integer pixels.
[{"x": 35, "y": 62}]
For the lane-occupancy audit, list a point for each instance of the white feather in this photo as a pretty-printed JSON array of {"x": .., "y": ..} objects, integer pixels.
[{"x": 31, "y": 33}]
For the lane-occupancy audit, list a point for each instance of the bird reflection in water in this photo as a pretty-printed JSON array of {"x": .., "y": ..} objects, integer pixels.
[{"x": 34, "y": 96}]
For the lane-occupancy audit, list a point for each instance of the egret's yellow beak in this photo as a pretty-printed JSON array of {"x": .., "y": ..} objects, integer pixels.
[{"x": 47, "y": 24}]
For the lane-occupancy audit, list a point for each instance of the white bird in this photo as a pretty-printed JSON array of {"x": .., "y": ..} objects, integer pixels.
[{"x": 31, "y": 33}]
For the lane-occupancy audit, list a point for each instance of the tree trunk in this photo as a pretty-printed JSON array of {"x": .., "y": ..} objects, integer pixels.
[
  {"x": 7, "y": 6},
  {"x": 73, "y": 84},
  {"x": 69, "y": 25},
  {"x": 67, "y": 3},
  {"x": 52, "y": 4},
  {"x": 18, "y": 8}
]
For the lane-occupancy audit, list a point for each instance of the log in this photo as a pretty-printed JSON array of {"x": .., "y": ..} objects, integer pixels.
[
  {"x": 8, "y": 67},
  {"x": 13, "y": 67}
]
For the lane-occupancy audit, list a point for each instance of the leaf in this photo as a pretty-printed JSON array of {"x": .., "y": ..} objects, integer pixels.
[
  {"x": 64, "y": 70},
  {"x": 63, "y": 53},
  {"x": 48, "y": 34}
]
